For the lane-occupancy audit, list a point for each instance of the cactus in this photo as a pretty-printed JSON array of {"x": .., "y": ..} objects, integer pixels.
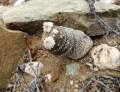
[{"x": 65, "y": 41}]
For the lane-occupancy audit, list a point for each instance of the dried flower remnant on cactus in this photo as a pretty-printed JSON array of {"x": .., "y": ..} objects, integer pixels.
[
  {"x": 106, "y": 57},
  {"x": 65, "y": 41}
]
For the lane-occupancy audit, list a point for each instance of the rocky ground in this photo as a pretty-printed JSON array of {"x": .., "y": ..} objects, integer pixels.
[{"x": 68, "y": 74}]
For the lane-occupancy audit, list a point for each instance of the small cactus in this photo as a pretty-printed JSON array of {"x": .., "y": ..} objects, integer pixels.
[{"x": 65, "y": 41}]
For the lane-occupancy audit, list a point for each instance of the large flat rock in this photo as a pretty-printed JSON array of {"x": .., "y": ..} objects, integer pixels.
[{"x": 29, "y": 16}]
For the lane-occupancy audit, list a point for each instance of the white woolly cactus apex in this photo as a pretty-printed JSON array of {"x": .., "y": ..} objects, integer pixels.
[
  {"x": 47, "y": 26},
  {"x": 66, "y": 41},
  {"x": 106, "y": 57},
  {"x": 49, "y": 42}
]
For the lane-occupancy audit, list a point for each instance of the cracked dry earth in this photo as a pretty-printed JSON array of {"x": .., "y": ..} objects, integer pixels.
[{"x": 56, "y": 66}]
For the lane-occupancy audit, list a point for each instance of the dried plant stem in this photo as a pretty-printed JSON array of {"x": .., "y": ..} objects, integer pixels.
[
  {"x": 103, "y": 85},
  {"x": 88, "y": 84},
  {"x": 37, "y": 79},
  {"x": 114, "y": 81},
  {"x": 16, "y": 81},
  {"x": 30, "y": 58},
  {"x": 107, "y": 29},
  {"x": 26, "y": 82}
]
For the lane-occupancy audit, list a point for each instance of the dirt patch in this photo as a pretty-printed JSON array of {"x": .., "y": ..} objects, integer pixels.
[
  {"x": 50, "y": 61},
  {"x": 12, "y": 45}
]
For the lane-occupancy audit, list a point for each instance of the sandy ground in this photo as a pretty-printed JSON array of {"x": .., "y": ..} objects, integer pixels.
[{"x": 50, "y": 61}]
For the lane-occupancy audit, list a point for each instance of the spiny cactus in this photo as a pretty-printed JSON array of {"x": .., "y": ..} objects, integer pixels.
[{"x": 65, "y": 41}]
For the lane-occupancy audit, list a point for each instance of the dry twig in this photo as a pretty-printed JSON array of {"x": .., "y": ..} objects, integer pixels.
[{"x": 107, "y": 29}]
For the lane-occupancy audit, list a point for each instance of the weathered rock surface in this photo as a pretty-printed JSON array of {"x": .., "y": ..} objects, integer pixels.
[
  {"x": 29, "y": 16},
  {"x": 72, "y": 69},
  {"x": 106, "y": 57},
  {"x": 12, "y": 46}
]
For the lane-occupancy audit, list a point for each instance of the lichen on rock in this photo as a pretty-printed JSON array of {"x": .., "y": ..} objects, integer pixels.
[{"x": 106, "y": 57}]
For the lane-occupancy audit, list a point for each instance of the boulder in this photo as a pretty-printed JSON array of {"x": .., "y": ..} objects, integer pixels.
[
  {"x": 106, "y": 57},
  {"x": 29, "y": 16},
  {"x": 12, "y": 46}
]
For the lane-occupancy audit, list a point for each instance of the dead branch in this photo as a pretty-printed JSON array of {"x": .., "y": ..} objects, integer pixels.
[
  {"x": 107, "y": 29},
  {"x": 88, "y": 84},
  {"x": 22, "y": 73},
  {"x": 103, "y": 85},
  {"x": 16, "y": 81},
  {"x": 95, "y": 79},
  {"x": 114, "y": 80}
]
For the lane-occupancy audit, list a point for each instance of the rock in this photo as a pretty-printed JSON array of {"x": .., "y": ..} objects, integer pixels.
[
  {"x": 71, "y": 82},
  {"x": 63, "y": 13},
  {"x": 95, "y": 69},
  {"x": 10, "y": 86},
  {"x": 28, "y": 68},
  {"x": 12, "y": 47},
  {"x": 72, "y": 69},
  {"x": 106, "y": 57},
  {"x": 76, "y": 86},
  {"x": 56, "y": 73},
  {"x": 48, "y": 77}
]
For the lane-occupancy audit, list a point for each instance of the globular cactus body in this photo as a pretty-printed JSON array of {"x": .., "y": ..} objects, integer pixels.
[{"x": 67, "y": 42}]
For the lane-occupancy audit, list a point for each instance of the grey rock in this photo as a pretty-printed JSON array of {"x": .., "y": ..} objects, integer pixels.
[
  {"x": 29, "y": 16},
  {"x": 9, "y": 85},
  {"x": 72, "y": 68}
]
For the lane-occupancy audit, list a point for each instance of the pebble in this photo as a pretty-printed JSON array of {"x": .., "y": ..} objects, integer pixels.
[
  {"x": 95, "y": 69},
  {"x": 71, "y": 82},
  {"x": 48, "y": 77},
  {"x": 9, "y": 85},
  {"x": 72, "y": 68},
  {"x": 76, "y": 86},
  {"x": 56, "y": 73}
]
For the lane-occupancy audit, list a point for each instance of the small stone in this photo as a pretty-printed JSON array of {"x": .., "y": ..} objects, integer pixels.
[
  {"x": 56, "y": 73},
  {"x": 48, "y": 77},
  {"x": 9, "y": 85},
  {"x": 95, "y": 69},
  {"x": 71, "y": 82},
  {"x": 76, "y": 86},
  {"x": 72, "y": 69}
]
